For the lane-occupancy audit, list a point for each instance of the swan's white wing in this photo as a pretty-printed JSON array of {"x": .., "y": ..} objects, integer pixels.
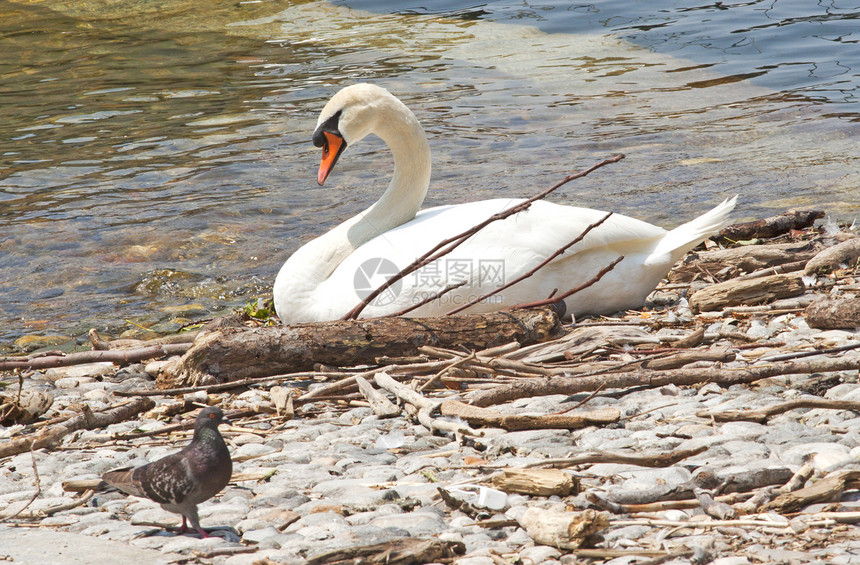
[{"x": 501, "y": 252}]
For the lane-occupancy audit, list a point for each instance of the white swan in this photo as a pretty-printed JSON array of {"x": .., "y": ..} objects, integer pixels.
[{"x": 328, "y": 276}]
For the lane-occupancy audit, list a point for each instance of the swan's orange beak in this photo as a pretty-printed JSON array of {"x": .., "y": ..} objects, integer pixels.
[{"x": 332, "y": 148}]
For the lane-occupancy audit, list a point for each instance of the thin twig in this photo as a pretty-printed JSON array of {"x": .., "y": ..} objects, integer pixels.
[
  {"x": 542, "y": 264},
  {"x": 113, "y": 355},
  {"x": 572, "y": 291},
  {"x": 432, "y": 380},
  {"x": 802, "y": 354},
  {"x": 35, "y": 494},
  {"x": 581, "y": 402},
  {"x": 453, "y": 242},
  {"x": 430, "y": 298}
]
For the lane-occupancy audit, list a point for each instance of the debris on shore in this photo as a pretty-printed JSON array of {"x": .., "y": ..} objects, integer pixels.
[{"x": 721, "y": 421}]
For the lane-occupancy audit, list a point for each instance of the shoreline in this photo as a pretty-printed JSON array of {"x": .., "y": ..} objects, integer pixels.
[{"x": 701, "y": 425}]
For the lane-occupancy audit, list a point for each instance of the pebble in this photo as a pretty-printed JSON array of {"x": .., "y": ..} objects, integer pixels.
[{"x": 346, "y": 478}]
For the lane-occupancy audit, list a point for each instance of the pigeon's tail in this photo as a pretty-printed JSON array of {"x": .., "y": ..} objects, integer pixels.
[{"x": 123, "y": 480}]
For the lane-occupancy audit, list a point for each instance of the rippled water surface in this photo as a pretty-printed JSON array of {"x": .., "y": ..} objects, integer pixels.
[{"x": 155, "y": 159}]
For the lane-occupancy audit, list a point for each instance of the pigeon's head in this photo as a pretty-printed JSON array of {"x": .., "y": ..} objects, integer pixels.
[{"x": 210, "y": 417}]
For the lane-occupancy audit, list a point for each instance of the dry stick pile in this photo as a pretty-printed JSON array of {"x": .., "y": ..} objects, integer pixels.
[{"x": 434, "y": 383}]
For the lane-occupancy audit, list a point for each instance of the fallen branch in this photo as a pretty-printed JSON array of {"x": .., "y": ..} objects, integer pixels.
[
  {"x": 397, "y": 551},
  {"x": 513, "y": 422},
  {"x": 88, "y": 420},
  {"x": 753, "y": 291},
  {"x": 50, "y": 511},
  {"x": 660, "y": 505},
  {"x": 379, "y": 403},
  {"x": 452, "y": 243},
  {"x": 714, "y": 508},
  {"x": 566, "y": 530},
  {"x": 686, "y": 357},
  {"x": 769, "y": 227},
  {"x": 846, "y": 253},
  {"x": 666, "y": 459},
  {"x": 236, "y": 353},
  {"x": 349, "y": 383},
  {"x": 829, "y": 314},
  {"x": 118, "y": 356},
  {"x": 766, "y": 494},
  {"x": 723, "y": 376},
  {"x": 761, "y": 415},
  {"x": 535, "y": 482},
  {"x": 425, "y": 407},
  {"x": 828, "y": 489}
]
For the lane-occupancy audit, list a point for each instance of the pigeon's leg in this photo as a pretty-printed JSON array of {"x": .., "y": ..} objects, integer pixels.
[{"x": 195, "y": 521}]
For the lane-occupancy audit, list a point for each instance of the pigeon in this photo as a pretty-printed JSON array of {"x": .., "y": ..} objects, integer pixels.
[{"x": 182, "y": 480}]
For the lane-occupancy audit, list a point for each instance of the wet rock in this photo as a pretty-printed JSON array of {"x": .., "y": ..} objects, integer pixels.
[{"x": 33, "y": 342}]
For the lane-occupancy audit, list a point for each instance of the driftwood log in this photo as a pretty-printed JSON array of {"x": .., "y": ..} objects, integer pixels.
[
  {"x": 828, "y": 489},
  {"x": 231, "y": 353},
  {"x": 749, "y": 258},
  {"x": 753, "y": 291},
  {"x": 536, "y": 482},
  {"x": 23, "y": 408},
  {"x": 769, "y": 227},
  {"x": 564, "y": 530},
  {"x": 399, "y": 551},
  {"x": 846, "y": 253},
  {"x": 834, "y": 314}
]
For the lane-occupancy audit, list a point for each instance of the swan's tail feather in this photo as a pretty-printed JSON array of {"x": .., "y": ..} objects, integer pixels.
[{"x": 687, "y": 236}]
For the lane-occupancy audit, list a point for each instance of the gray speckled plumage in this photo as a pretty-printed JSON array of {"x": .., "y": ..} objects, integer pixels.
[{"x": 182, "y": 480}]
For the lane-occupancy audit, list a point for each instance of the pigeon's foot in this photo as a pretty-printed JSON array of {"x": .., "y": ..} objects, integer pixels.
[{"x": 226, "y": 532}]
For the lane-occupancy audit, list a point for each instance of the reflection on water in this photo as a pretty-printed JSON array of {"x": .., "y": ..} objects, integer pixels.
[{"x": 170, "y": 138}]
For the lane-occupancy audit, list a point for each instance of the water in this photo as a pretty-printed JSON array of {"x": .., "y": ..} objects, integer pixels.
[{"x": 155, "y": 155}]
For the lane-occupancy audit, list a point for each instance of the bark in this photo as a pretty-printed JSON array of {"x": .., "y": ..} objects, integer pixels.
[
  {"x": 753, "y": 291},
  {"x": 846, "y": 253},
  {"x": 769, "y": 227},
  {"x": 237, "y": 353},
  {"x": 828, "y": 489},
  {"x": 829, "y": 314},
  {"x": 24, "y": 407},
  {"x": 399, "y": 551},
  {"x": 748, "y": 259},
  {"x": 564, "y": 530},
  {"x": 539, "y": 482}
]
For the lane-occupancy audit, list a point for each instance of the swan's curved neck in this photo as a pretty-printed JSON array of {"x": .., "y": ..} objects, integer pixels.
[
  {"x": 313, "y": 263},
  {"x": 408, "y": 187}
]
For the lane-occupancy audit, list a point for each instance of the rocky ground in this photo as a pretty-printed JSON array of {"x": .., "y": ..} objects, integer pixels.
[{"x": 642, "y": 438}]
